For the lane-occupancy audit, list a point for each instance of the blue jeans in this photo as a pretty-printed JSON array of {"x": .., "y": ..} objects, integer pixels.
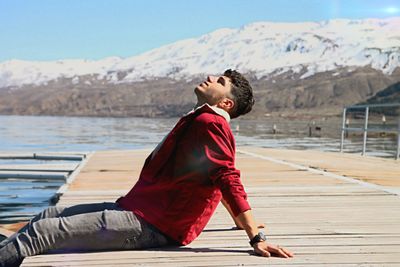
[{"x": 86, "y": 227}]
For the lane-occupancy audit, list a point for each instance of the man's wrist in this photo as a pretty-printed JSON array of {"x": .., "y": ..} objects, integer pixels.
[{"x": 260, "y": 237}]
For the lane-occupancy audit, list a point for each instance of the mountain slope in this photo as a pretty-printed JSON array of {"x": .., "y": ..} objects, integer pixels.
[
  {"x": 388, "y": 95},
  {"x": 265, "y": 49},
  {"x": 319, "y": 95}
]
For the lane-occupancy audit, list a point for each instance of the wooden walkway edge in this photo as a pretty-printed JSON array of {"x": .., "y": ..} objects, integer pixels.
[{"x": 331, "y": 209}]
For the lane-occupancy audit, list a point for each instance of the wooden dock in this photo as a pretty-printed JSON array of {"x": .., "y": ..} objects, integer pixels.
[{"x": 309, "y": 201}]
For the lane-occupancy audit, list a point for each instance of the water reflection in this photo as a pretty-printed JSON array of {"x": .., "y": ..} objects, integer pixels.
[{"x": 20, "y": 199}]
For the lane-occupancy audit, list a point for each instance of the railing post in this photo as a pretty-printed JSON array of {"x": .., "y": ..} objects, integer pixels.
[
  {"x": 398, "y": 139},
  {"x": 365, "y": 131},
  {"x": 343, "y": 129}
]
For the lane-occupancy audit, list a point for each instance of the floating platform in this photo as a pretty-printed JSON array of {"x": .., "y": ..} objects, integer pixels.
[{"x": 330, "y": 209}]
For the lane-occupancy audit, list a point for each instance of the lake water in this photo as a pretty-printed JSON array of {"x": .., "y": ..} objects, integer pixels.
[{"x": 21, "y": 198}]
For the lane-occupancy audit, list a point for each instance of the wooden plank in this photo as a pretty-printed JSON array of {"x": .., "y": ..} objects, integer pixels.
[
  {"x": 58, "y": 157},
  {"x": 40, "y": 167},
  {"x": 34, "y": 174},
  {"x": 325, "y": 221},
  {"x": 377, "y": 170},
  {"x": 44, "y": 156},
  {"x": 5, "y": 231},
  {"x": 209, "y": 257},
  {"x": 16, "y": 155}
]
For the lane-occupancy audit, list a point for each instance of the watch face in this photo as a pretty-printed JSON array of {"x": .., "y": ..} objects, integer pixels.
[{"x": 262, "y": 236}]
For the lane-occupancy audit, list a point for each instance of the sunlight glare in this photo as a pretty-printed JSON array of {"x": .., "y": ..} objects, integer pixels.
[{"x": 392, "y": 10}]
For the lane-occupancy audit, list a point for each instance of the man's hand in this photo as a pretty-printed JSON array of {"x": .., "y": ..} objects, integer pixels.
[{"x": 267, "y": 250}]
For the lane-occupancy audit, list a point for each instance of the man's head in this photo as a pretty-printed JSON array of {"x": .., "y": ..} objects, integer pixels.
[{"x": 231, "y": 92}]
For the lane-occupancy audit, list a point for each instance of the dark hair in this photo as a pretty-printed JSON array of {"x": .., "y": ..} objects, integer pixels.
[{"x": 242, "y": 93}]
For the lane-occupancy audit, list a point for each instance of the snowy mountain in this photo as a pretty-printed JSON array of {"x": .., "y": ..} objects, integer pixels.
[{"x": 262, "y": 48}]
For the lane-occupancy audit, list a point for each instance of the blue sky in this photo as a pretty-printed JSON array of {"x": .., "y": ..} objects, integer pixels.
[{"x": 94, "y": 29}]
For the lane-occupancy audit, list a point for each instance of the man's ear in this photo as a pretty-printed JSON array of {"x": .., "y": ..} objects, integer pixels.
[{"x": 226, "y": 104}]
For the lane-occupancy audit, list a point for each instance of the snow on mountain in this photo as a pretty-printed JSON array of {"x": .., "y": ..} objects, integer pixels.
[
  {"x": 18, "y": 72},
  {"x": 264, "y": 48}
]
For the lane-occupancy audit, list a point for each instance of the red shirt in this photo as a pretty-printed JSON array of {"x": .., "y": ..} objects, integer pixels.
[{"x": 180, "y": 185}]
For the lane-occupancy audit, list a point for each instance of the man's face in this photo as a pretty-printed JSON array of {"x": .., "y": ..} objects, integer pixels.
[{"x": 213, "y": 90}]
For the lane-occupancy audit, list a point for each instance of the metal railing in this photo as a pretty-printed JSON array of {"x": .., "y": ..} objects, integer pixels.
[{"x": 365, "y": 129}]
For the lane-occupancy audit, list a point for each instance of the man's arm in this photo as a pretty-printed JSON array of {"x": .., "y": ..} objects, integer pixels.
[
  {"x": 236, "y": 221},
  {"x": 263, "y": 248},
  {"x": 218, "y": 153}
]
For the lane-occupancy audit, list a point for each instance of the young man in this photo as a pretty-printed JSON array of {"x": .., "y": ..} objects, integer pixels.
[{"x": 179, "y": 188}]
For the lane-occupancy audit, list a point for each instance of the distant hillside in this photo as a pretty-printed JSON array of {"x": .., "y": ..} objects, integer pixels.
[
  {"x": 283, "y": 95},
  {"x": 387, "y": 96}
]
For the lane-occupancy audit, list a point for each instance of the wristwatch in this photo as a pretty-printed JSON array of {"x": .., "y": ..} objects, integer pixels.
[{"x": 258, "y": 238}]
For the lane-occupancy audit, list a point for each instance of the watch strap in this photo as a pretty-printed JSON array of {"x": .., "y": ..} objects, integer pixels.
[{"x": 258, "y": 238}]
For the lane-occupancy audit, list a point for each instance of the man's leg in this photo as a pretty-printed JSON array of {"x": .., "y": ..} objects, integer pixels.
[
  {"x": 104, "y": 230},
  {"x": 59, "y": 211}
]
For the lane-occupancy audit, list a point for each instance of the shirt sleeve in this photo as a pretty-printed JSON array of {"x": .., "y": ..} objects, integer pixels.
[{"x": 218, "y": 155}]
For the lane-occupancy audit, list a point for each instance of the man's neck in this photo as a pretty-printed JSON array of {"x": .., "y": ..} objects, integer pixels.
[{"x": 217, "y": 109}]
